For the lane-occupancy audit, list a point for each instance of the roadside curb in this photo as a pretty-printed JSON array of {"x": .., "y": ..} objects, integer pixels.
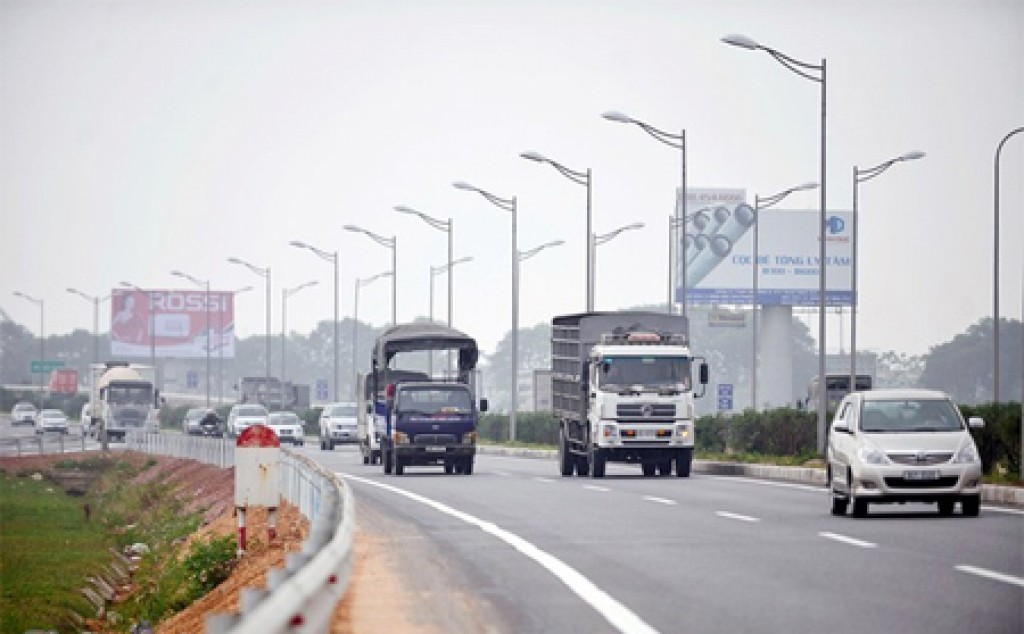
[{"x": 1011, "y": 496}]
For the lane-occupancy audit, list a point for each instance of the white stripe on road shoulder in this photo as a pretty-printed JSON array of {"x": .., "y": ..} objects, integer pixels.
[
  {"x": 594, "y": 487},
  {"x": 543, "y": 479},
  {"x": 847, "y": 540},
  {"x": 991, "y": 574},
  {"x": 500, "y": 473},
  {"x": 618, "y": 615},
  {"x": 1003, "y": 509},
  {"x": 651, "y": 498},
  {"x": 737, "y": 516},
  {"x": 770, "y": 483}
]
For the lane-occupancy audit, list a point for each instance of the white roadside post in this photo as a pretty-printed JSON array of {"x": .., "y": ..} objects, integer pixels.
[{"x": 257, "y": 477}]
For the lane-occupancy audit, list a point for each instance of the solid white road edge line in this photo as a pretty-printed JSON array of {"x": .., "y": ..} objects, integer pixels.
[
  {"x": 737, "y": 516},
  {"x": 991, "y": 574},
  {"x": 847, "y": 540},
  {"x": 769, "y": 483},
  {"x": 539, "y": 479},
  {"x": 594, "y": 487},
  {"x": 619, "y": 616},
  {"x": 651, "y": 498}
]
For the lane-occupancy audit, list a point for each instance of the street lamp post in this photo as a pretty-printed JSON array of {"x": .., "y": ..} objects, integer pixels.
[
  {"x": 333, "y": 258},
  {"x": 436, "y": 270},
  {"x": 509, "y": 205},
  {"x": 206, "y": 285},
  {"x": 220, "y": 341},
  {"x": 807, "y": 71},
  {"x": 677, "y": 141},
  {"x": 521, "y": 256},
  {"x": 95, "y": 299},
  {"x": 265, "y": 274},
  {"x": 441, "y": 225},
  {"x": 580, "y": 178},
  {"x": 285, "y": 294},
  {"x": 355, "y": 326},
  {"x": 42, "y": 337},
  {"x": 391, "y": 243},
  {"x": 859, "y": 176},
  {"x": 599, "y": 239},
  {"x": 759, "y": 204}
]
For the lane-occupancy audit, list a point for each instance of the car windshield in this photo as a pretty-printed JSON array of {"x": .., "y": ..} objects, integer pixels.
[
  {"x": 52, "y": 413},
  {"x": 24, "y": 407},
  {"x": 909, "y": 415},
  {"x": 662, "y": 373},
  {"x": 253, "y": 410},
  {"x": 434, "y": 401},
  {"x": 348, "y": 409},
  {"x": 284, "y": 419}
]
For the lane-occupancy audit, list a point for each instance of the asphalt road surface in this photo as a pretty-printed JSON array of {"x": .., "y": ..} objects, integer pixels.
[{"x": 529, "y": 551}]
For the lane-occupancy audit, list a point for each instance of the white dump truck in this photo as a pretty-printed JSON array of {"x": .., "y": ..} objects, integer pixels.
[
  {"x": 622, "y": 391},
  {"x": 122, "y": 397}
]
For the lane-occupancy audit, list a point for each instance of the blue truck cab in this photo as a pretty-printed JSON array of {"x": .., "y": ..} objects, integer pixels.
[{"x": 428, "y": 420}]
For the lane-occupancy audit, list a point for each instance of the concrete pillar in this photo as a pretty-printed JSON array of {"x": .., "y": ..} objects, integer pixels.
[{"x": 775, "y": 380}]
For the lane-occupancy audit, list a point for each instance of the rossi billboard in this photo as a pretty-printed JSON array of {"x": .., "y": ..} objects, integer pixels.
[{"x": 169, "y": 323}]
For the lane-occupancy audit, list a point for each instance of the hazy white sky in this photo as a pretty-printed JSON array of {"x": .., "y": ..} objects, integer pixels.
[{"x": 144, "y": 136}]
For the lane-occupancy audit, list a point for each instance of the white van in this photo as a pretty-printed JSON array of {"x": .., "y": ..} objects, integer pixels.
[{"x": 899, "y": 446}]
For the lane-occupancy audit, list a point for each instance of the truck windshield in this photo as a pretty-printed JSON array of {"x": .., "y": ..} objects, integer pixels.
[
  {"x": 129, "y": 395},
  {"x": 653, "y": 372},
  {"x": 434, "y": 401}
]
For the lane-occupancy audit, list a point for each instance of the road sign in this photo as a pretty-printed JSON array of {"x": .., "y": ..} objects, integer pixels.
[
  {"x": 45, "y": 366},
  {"x": 321, "y": 390},
  {"x": 725, "y": 397}
]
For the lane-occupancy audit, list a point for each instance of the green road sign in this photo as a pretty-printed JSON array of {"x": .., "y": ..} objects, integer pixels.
[{"x": 45, "y": 366}]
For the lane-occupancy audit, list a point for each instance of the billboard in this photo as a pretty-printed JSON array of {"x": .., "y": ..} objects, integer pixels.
[
  {"x": 720, "y": 247},
  {"x": 171, "y": 323}
]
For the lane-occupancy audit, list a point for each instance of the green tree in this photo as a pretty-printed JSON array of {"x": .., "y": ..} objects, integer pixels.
[{"x": 963, "y": 367}]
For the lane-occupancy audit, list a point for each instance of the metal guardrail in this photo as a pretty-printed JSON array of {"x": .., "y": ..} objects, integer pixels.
[{"x": 301, "y": 596}]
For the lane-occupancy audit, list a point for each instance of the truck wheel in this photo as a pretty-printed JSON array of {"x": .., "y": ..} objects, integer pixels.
[
  {"x": 399, "y": 466},
  {"x": 648, "y": 468},
  {"x": 597, "y": 463},
  {"x": 683, "y": 461},
  {"x": 467, "y": 466},
  {"x": 387, "y": 462},
  {"x": 366, "y": 459},
  {"x": 838, "y": 504},
  {"x": 665, "y": 468},
  {"x": 448, "y": 468},
  {"x": 582, "y": 466},
  {"x": 565, "y": 459}
]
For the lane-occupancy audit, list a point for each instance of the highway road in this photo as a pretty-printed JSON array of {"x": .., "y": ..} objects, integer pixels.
[{"x": 520, "y": 549}]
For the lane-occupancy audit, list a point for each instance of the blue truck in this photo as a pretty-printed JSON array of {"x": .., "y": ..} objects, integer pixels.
[{"x": 419, "y": 419}]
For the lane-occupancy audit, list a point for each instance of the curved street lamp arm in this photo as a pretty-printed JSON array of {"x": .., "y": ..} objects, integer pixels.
[
  {"x": 867, "y": 174},
  {"x": 796, "y": 65},
  {"x": 526, "y": 255},
  {"x": 255, "y": 269},
  {"x": 440, "y": 225},
  {"x": 373, "y": 278},
  {"x": 330, "y": 257},
  {"x": 381, "y": 240},
  {"x": 576, "y": 176},
  {"x": 769, "y": 201},
  {"x": 677, "y": 141}
]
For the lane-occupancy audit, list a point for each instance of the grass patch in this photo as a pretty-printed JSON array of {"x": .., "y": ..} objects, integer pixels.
[{"x": 46, "y": 550}]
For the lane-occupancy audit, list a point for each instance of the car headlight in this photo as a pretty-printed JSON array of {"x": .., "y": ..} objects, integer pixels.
[
  {"x": 872, "y": 455},
  {"x": 967, "y": 454}
]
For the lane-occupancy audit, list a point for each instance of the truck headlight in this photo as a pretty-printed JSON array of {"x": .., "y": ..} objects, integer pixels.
[
  {"x": 469, "y": 438},
  {"x": 967, "y": 454},
  {"x": 401, "y": 437},
  {"x": 609, "y": 431},
  {"x": 683, "y": 431}
]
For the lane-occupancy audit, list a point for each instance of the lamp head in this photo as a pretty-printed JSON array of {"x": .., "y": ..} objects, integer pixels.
[
  {"x": 615, "y": 115},
  {"x": 352, "y": 228},
  {"x": 464, "y": 186},
  {"x": 910, "y": 156},
  {"x": 235, "y": 260},
  {"x": 299, "y": 244},
  {"x": 402, "y": 209},
  {"x": 741, "y": 41},
  {"x": 805, "y": 187},
  {"x": 532, "y": 156}
]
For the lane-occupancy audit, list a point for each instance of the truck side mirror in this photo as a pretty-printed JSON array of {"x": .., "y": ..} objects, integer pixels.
[
  {"x": 585, "y": 377},
  {"x": 483, "y": 405}
]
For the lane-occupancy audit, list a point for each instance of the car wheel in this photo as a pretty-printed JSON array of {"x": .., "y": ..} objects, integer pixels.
[
  {"x": 971, "y": 506},
  {"x": 946, "y": 507}
]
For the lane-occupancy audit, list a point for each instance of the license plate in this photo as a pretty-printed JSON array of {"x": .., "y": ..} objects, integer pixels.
[
  {"x": 647, "y": 433},
  {"x": 921, "y": 475},
  {"x": 435, "y": 448}
]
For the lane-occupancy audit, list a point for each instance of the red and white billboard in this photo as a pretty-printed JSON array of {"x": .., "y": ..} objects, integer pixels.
[{"x": 172, "y": 323}]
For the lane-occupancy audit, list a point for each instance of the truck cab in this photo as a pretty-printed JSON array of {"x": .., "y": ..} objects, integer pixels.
[{"x": 433, "y": 423}]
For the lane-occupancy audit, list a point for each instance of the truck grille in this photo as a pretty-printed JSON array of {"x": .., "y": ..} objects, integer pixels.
[
  {"x": 434, "y": 439},
  {"x": 645, "y": 410}
]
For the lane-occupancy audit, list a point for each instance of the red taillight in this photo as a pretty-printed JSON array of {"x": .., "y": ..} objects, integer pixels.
[{"x": 390, "y": 391}]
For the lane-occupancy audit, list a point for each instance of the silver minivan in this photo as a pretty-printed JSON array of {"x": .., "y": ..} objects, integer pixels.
[{"x": 899, "y": 446}]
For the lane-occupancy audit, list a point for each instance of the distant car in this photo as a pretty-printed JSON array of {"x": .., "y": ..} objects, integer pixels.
[
  {"x": 338, "y": 425},
  {"x": 901, "y": 446},
  {"x": 243, "y": 416},
  {"x": 190, "y": 424},
  {"x": 23, "y": 413},
  {"x": 211, "y": 424},
  {"x": 51, "y": 420},
  {"x": 288, "y": 427}
]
